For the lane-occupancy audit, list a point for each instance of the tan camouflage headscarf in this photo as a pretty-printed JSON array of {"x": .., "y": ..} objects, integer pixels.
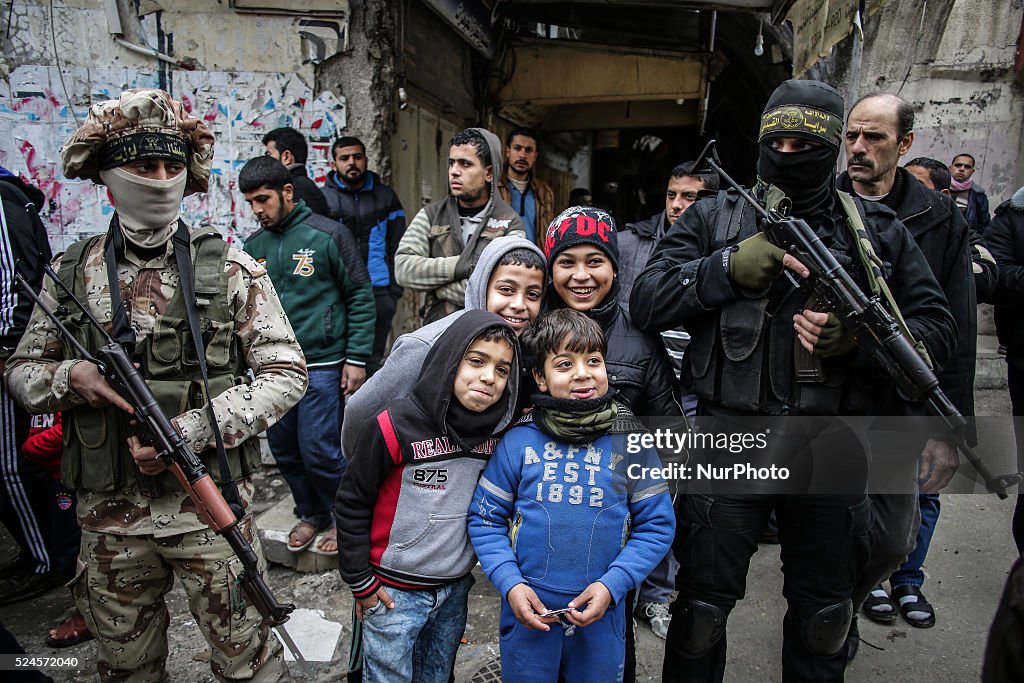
[{"x": 139, "y": 110}]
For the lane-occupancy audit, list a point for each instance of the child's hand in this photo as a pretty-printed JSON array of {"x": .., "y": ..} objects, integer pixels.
[
  {"x": 369, "y": 602},
  {"x": 527, "y": 607},
  {"x": 596, "y": 598}
]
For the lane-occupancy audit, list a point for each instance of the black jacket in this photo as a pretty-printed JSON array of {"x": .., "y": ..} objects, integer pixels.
[
  {"x": 307, "y": 191},
  {"x": 376, "y": 219},
  {"x": 940, "y": 231},
  {"x": 636, "y": 244},
  {"x": 22, "y": 242},
  {"x": 1004, "y": 650},
  {"x": 1005, "y": 237},
  {"x": 638, "y": 366},
  {"x": 687, "y": 282}
]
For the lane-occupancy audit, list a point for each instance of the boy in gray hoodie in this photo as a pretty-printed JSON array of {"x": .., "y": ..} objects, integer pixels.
[{"x": 509, "y": 280}]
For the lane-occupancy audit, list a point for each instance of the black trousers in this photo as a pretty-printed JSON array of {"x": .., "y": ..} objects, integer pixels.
[
  {"x": 1015, "y": 378},
  {"x": 385, "y": 304},
  {"x": 824, "y": 541}
]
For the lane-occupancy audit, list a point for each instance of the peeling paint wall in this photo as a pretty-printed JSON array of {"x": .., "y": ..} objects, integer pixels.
[
  {"x": 251, "y": 79},
  {"x": 959, "y": 79},
  {"x": 364, "y": 75}
]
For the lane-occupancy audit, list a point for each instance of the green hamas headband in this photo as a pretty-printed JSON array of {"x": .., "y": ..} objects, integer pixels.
[{"x": 803, "y": 121}]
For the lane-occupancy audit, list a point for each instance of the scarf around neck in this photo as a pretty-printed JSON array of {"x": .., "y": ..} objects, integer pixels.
[
  {"x": 957, "y": 186},
  {"x": 470, "y": 428},
  {"x": 572, "y": 420}
]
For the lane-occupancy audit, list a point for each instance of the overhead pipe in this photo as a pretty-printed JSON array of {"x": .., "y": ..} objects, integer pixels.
[{"x": 113, "y": 11}]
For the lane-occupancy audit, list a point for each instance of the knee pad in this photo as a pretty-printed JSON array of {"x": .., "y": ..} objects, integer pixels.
[
  {"x": 702, "y": 626},
  {"x": 825, "y": 631}
]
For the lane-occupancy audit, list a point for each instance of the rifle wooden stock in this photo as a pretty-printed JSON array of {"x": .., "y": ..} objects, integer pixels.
[
  {"x": 190, "y": 471},
  {"x": 117, "y": 367}
]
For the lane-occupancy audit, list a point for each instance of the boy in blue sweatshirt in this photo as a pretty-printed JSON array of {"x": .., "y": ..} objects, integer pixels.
[
  {"x": 401, "y": 507},
  {"x": 568, "y": 515}
]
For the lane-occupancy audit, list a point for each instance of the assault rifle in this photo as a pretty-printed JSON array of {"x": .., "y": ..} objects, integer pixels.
[
  {"x": 156, "y": 429},
  {"x": 867, "y": 319}
]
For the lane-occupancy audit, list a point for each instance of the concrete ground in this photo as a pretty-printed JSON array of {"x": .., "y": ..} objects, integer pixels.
[{"x": 969, "y": 559}]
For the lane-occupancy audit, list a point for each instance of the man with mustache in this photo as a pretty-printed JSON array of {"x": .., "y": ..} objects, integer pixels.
[
  {"x": 532, "y": 198},
  {"x": 879, "y": 131}
]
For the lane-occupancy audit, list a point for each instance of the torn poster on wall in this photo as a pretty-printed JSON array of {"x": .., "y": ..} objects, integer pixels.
[{"x": 240, "y": 107}]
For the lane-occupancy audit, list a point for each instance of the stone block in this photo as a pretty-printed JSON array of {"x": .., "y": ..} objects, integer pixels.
[{"x": 274, "y": 525}]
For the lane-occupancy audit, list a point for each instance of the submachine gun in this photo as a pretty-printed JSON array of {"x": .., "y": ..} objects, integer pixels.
[
  {"x": 117, "y": 367},
  {"x": 872, "y": 326}
]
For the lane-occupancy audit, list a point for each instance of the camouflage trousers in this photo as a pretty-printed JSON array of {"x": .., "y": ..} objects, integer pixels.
[{"x": 120, "y": 591}]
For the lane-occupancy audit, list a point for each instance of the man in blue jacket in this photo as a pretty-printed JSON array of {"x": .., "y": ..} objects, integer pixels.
[
  {"x": 372, "y": 213},
  {"x": 970, "y": 196}
]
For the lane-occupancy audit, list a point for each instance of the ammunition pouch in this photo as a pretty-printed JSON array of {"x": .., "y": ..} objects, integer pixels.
[{"x": 96, "y": 454}]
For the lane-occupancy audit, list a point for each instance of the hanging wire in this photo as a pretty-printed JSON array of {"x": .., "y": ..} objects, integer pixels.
[
  {"x": 10, "y": 18},
  {"x": 60, "y": 72}
]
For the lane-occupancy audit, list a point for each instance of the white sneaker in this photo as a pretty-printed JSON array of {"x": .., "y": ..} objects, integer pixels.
[{"x": 655, "y": 613}]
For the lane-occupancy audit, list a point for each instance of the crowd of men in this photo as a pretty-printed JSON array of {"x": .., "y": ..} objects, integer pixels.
[{"x": 693, "y": 303}]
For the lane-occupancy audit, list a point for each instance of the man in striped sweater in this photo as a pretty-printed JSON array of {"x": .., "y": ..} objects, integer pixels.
[{"x": 443, "y": 242}]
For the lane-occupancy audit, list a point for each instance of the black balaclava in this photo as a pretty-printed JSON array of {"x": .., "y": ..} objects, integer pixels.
[{"x": 814, "y": 111}]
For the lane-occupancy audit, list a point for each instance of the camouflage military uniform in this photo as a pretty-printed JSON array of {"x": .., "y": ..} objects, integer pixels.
[{"x": 131, "y": 544}]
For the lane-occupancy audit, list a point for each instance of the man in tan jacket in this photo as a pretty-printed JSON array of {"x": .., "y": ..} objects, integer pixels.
[{"x": 530, "y": 197}]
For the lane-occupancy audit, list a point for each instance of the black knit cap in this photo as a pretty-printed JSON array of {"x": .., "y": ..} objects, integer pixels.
[
  {"x": 809, "y": 109},
  {"x": 582, "y": 225}
]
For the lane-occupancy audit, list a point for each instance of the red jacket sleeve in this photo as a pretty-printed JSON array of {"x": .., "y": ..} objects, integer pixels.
[{"x": 46, "y": 447}]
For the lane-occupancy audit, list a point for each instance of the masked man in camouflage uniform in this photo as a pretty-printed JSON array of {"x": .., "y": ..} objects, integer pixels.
[{"x": 138, "y": 532}]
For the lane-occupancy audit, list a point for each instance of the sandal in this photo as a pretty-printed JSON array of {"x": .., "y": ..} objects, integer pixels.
[
  {"x": 71, "y": 631},
  {"x": 879, "y": 607},
  {"x": 330, "y": 536},
  {"x": 301, "y": 536},
  {"x": 914, "y": 607}
]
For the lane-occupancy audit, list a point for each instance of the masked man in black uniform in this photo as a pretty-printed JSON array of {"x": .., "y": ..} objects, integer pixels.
[{"x": 753, "y": 333}]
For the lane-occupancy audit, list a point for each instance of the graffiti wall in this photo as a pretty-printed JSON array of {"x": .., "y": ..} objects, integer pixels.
[{"x": 35, "y": 120}]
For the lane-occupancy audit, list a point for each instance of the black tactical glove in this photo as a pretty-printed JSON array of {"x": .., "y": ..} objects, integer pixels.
[
  {"x": 834, "y": 340},
  {"x": 755, "y": 262}
]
